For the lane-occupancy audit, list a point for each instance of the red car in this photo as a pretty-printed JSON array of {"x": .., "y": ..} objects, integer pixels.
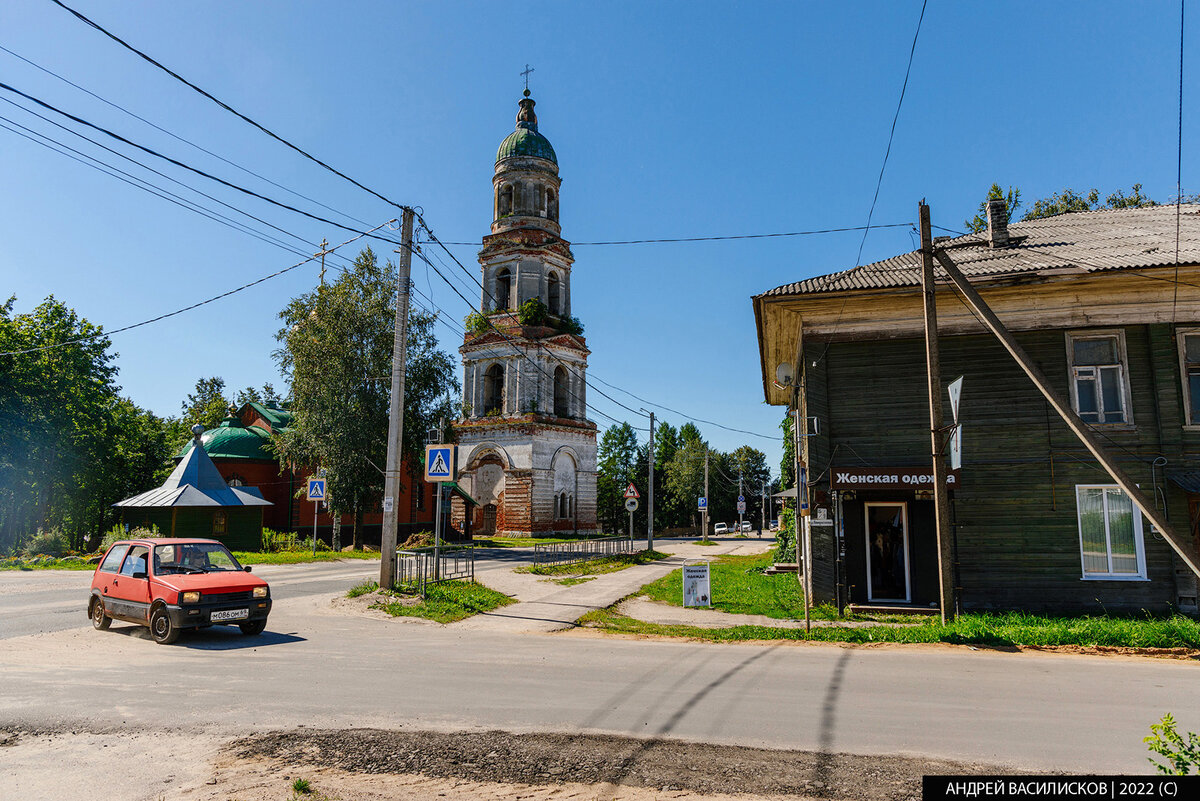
[{"x": 176, "y": 584}]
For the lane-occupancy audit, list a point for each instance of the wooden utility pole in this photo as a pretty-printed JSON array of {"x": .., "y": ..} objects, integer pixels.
[
  {"x": 1060, "y": 404},
  {"x": 941, "y": 500},
  {"x": 391, "y": 476}
]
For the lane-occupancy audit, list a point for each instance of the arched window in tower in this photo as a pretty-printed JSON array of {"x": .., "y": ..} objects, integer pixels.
[
  {"x": 561, "y": 408},
  {"x": 551, "y": 205},
  {"x": 503, "y": 289},
  {"x": 554, "y": 294},
  {"x": 506, "y": 201},
  {"x": 493, "y": 390}
]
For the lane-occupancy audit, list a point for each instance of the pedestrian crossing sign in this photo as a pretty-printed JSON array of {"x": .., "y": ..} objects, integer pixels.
[
  {"x": 440, "y": 463},
  {"x": 316, "y": 489}
]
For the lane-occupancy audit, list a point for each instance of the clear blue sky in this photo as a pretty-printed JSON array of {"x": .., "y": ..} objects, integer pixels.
[{"x": 669, "y": 120}]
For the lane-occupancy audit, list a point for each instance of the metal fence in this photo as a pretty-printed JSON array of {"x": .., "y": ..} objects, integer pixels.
[
  {"x": 564, "y": 553},
  {"x": 416, "y": 569}
]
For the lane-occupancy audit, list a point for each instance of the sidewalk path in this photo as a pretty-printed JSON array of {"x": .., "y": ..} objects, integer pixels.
[{"x": 544, "y": 606}]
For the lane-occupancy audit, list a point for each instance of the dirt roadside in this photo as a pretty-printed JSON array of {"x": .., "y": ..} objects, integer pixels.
[{"x": 376, "y": 765}]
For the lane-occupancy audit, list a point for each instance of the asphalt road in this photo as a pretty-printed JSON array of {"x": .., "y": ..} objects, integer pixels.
[
  {"x": 320, "y": 667},
  {"x": 41, "y": 601}
]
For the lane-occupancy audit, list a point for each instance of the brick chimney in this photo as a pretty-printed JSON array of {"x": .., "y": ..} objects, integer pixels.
[{"x": 997, "y": 221}]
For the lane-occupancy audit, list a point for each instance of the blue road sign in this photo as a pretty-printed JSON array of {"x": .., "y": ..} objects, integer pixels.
[
  {"x": 703, "y": 504},
  {"x": 741, "y": 499},
  {"x": 316, "y": 489},
  {"x": 439, "y": 463}
]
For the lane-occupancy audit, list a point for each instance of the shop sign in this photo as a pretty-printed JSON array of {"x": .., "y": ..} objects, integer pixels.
[{"x": 888, "y": 478}]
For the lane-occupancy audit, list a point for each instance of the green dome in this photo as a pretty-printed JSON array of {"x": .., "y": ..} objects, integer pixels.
[
  {"x": 231, "y": 440},
  {"x": 524, "y": 142}
]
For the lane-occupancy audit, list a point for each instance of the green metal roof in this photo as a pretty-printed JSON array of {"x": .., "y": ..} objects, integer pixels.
[
  {"x": 526, "y": 142},
  {"x": 231, "y": 440},
  {"x": 273, "y": 413}
]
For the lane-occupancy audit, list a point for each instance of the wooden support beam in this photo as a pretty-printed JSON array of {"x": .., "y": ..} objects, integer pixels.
[{"x": 1081, "y": 429}]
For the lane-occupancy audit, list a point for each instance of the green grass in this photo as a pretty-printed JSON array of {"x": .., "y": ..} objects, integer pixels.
[
  {"x": 707, "y": 542},
  {"x": 996, "y": 630},
  {"x": 443, "y": 603},
  {"x": 570, "y": 581},
  {"x": 49, "y": 563},
  {"x": 301, "y": 786},
  {"x": 300, "y": 557},
  {"x": 592, "y": 567}
]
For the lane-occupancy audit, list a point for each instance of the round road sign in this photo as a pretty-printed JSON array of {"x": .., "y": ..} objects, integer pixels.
[{"x": 631, "y": 505}]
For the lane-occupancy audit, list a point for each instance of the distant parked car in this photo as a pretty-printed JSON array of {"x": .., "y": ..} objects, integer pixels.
[
  {"x": 720, "y": 528},
  {"x": 175, "y": 584},
  {"x": 746, "y": 527}
]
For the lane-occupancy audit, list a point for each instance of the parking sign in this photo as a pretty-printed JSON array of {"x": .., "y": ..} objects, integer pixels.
[{"x": 703, "y": 506}]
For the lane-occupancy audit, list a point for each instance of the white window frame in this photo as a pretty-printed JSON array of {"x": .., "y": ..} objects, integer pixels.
[
  {"x": 1138, "y": 540},
  {"x": 1180, "y": 341},
  {"x": 1122, "y": 364}
]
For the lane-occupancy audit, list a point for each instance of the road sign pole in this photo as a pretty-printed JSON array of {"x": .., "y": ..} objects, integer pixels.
[
  {"x": 316, "y": 506},
  {"x": 650, "y": 493}
]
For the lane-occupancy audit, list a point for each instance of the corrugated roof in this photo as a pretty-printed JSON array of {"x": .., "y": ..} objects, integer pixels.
[
  {"x": 195, "y": 481},
  {"x": 1090, "y": 241}
]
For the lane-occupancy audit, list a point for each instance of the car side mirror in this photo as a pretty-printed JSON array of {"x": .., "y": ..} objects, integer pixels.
[
  {"x": 140, "y": 574},
  {"x": 246, "y": 568}
]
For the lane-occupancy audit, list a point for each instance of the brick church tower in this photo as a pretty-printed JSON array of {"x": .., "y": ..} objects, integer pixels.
[{"x": 527, "y": 451}]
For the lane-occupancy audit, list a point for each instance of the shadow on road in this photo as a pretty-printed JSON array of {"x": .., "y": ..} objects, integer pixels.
[
  {"x": 218, "y": 638},
  {"x": 622, "y": 768}
]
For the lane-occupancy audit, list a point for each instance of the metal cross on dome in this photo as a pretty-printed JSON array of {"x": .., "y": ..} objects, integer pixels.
[{"x": 528, "y": 69}]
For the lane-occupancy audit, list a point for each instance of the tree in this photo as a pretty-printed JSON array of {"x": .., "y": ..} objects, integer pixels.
[
  {"x": 1012, "y": 201},
  {"x": 337, "y": 356},
  {"x": 670, "y": 511},
  {"x": 616, "y": 455},
  {"x": 208, "y": 405},
  {"x": 685, "y": 472},
  {"x": 70, "y": 446},
  {"x": 1063, "y": 202},
  {"x": 251, "y": 395}
]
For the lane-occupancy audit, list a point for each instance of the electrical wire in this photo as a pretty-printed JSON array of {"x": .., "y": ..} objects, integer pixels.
[
  {"x": 175, "y": 136},
  {"x": 223, "y": 105},
  {"x": 892, "y": 133},
  {"x": 720, "y": 238},
  {"x": 182, "y": 310}
]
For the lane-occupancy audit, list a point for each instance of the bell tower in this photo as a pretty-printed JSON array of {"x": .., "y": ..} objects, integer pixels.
[{"x": 526, "y": 447}]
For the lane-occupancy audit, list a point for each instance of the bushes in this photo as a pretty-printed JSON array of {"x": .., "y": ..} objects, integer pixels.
[
  {"x": 275, "y": 541},
  {"x": 46, "y": 542}
]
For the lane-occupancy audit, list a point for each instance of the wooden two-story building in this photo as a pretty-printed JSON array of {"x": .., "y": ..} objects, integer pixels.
[{"x": 1108, "y": 304}]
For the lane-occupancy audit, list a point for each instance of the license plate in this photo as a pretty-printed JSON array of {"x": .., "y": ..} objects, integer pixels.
[{"x": 230, "y": 614}]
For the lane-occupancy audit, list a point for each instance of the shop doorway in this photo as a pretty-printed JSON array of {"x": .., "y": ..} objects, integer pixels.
[{"x": 888, "y": 575}]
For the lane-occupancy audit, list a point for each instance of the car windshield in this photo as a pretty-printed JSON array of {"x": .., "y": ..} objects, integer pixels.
[{"x": 193, "y": 557}]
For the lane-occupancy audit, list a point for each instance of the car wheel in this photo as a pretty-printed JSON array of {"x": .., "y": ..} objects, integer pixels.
[
  {"x": 253, "y": 627},
  {"x": 100, "y": 620},
  {"x": 161, "y": 628}
]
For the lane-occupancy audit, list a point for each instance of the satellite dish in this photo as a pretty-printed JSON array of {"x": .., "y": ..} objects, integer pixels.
[{"x": 783, "y": 374}]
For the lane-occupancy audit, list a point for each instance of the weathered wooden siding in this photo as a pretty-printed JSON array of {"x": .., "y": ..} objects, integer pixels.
[{"x": 1017, "y": 530}]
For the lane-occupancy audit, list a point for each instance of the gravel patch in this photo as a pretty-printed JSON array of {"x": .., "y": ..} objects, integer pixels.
[{"x": 599, "y": 761}]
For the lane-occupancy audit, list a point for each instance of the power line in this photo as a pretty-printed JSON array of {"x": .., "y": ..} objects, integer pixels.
[
  {"x": 686, "y": 416},
  {"x": 891, "y": 134},
  {"x": 721, "y": 238},
  {"x": 184, "y": 309},
  {"x": 186, "y": 141},
  {"x": 143, "y": 166},
  {"x": 223, "y": 105},
  {"x": 182, "y": 165}
]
